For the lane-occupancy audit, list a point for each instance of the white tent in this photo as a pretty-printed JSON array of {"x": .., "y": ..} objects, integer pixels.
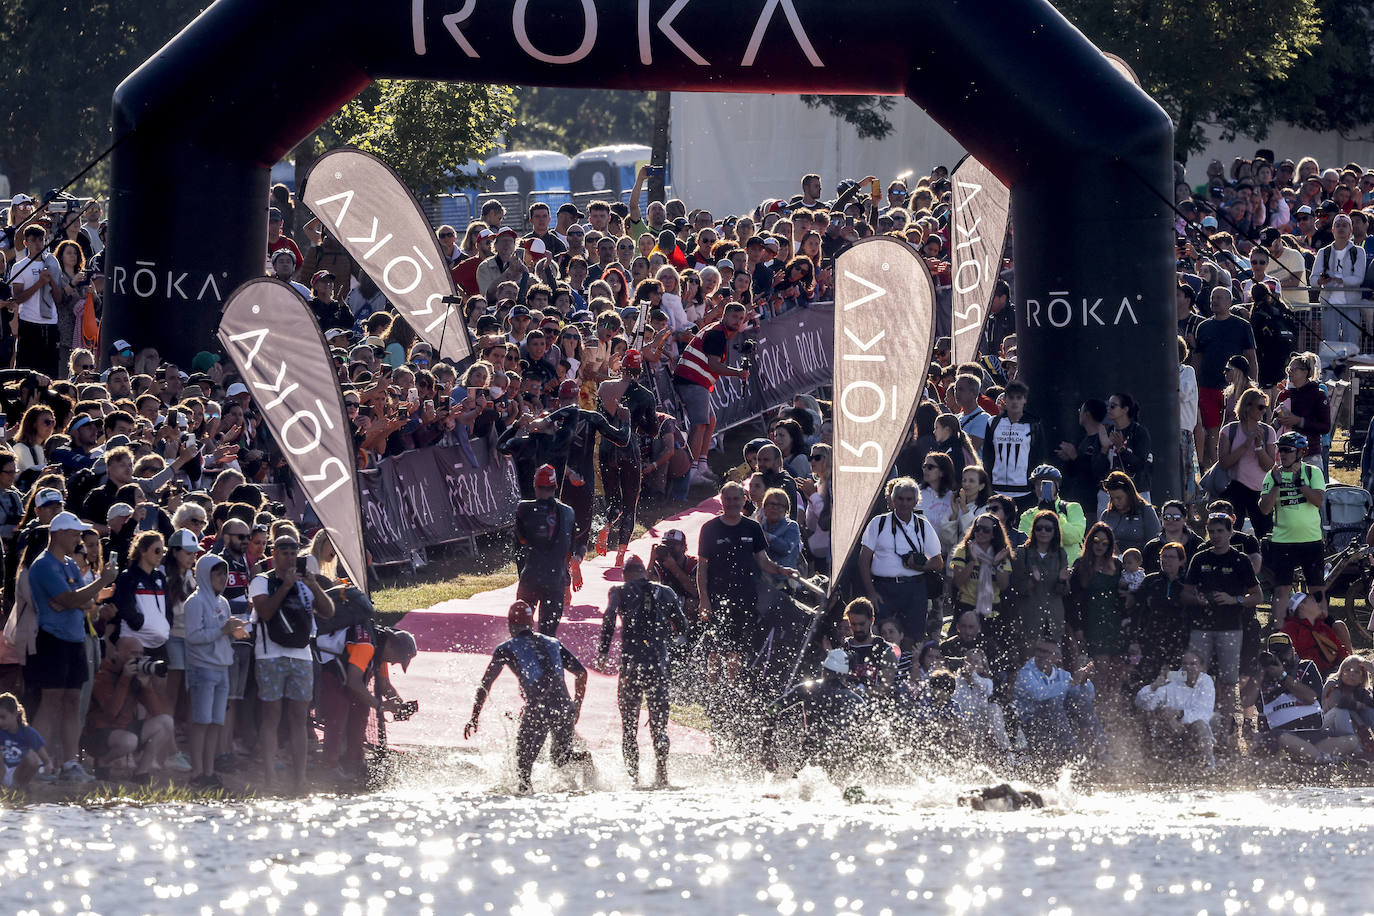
[{"x": 732, "y": 150}]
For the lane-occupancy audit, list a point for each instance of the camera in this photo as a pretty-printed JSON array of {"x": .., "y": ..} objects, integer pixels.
[
  {"x": 155, "y": 667},
  {"x": 915, "y": 560},
  {"x": 405, "y": 710},
  {"x": 747, "y": 348}
]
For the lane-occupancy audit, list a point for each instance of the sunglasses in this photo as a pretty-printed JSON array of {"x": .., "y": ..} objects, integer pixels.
[
  {"x": 1048, "y": 529},
  {"x": 984, "y": 529},
  {"x": 1287, "y": 448},
  {"x": 1172, "y": 517},
  {"x": 447, "y": 235},
  {"x": 815, "y": 457},
  {"x": 351, "y": 404}
]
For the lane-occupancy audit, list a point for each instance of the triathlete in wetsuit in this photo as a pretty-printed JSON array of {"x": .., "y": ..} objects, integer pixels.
[
  {"x": 538, "y": 662},
  {"x": 574, "y": 454},
  {"x": 543, "y": 541},
  {"x": 646, "y": 610},
  {"x": 620, "y": 465}
]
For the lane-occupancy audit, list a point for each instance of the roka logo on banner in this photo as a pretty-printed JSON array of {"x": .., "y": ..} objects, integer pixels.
[
  {"x": 884, "y": 315},
  {"x": 978, "y": 230},
  {"x": 265, "y": 330},
  {"x": 376, "y": 218}
]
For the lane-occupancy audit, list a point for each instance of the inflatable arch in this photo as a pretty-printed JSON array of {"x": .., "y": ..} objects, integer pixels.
[{"x": 1086, "y": 153}]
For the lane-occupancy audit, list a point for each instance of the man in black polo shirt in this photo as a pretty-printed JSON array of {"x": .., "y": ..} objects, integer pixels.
[{"x": 1223, "y": 591}]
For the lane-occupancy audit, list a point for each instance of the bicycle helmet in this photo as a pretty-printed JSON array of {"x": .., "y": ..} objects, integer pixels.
[
  {"x": 1293, "y": 440},
  {"x": 1047, "y": 472}
]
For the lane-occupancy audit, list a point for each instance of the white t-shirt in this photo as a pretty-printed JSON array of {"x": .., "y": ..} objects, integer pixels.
[
  {"x": 39, "y": 308},
  {"x": 263, "y": 646},
  {"x": 1187, "y": 397},
  {"x": 890, "y": 546}
]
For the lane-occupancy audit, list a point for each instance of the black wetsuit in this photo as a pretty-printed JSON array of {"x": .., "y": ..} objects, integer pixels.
[
  {"x": 575, "y": 444},
  {"x": 529, "y": 451},
  {"x": 538, "y": 662},
  {"x": 646, "y": 609},
  {"x": 543, "y": 537},
  {"x": 620, "y": 465}
]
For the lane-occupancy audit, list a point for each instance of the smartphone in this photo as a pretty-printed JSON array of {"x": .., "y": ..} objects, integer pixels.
[{"x": 300, "y": 565}]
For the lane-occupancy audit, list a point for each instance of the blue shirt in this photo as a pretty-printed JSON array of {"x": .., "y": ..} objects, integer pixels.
[
  {"x": 48, "y": 578},
  {"x": 14, "y": 745}
]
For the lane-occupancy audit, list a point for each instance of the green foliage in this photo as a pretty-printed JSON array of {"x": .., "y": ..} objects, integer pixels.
[
  {"x": 1333, "y": 90},
  {"x": 63, "y": 62},
  {"x": 571, "y": 120},
  {"x": 425, "y": 131},
  {"x": 866, "y": 113},
  {"x": 1208, "y": 61}
]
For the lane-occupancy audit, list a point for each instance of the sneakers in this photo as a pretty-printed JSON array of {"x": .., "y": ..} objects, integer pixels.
[
  {"x": 46, "y": 775},
  {"x": 703, "y": 473},
  {"x": 74, "y": 774},
  {"x": 179, "y": 763}
]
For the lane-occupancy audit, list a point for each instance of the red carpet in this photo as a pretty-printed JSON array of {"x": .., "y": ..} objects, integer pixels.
[{"x": 456, "y": 639}]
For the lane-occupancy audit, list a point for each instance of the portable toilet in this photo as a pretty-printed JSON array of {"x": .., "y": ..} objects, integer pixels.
[{"x": 521, "y": 177}]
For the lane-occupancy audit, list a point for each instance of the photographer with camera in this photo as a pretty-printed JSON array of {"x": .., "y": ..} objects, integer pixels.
[
  {"x": 1286, "y": 693},
  {"x": 36, "y": 284},
  {"x": 702, "y": 364},
  {"x": 898, "y": 549},
  {"x": 128, "y": 679}
]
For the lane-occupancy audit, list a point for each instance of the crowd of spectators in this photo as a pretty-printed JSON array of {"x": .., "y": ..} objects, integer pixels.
[{"x": 132, "y": 486}]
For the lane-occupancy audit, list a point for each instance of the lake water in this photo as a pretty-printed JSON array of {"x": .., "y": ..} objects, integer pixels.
[{"x": 453, "y": 842}]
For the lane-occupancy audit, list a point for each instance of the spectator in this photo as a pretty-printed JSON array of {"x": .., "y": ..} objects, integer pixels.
[
  {"x": 285, "y": 604},
  {"x": 898, "y": 549},
  {"x": 1219, "y": 338},
  {"x": 1294, "y": 492},
  {"x": 1178, "y": 706},
  {"x": 1056, "y": 707},
  {"x": 1015, "y": 444},
  {"x": 1247, "y": 450},
  {"x": 210, "y": 631}
]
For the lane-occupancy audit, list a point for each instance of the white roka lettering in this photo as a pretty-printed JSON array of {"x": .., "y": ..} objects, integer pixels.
[
  {"x": 1062, "y": 309},
  {"x": 863, "y": 401},
  {"x": 302, "y": 432},
  {"x": 455, "y": 23}
]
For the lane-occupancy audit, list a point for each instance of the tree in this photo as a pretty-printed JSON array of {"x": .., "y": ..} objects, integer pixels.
[
  {"x": 864, "y": 112},
  {"x": 63, "y": 63},
  {"x": 571, "y": 120},
  {"x": 426, "y": 131},
  {"x": 1332, "y": 90},
  {"x": 1206, "y": 61}
]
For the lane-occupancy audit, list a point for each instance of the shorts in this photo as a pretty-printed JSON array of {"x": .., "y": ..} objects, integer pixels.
[
  {"x": 1283, "y": 559},
  {"x": 239, "y": 670},
  {"x": 1226, "y": 645},
  {"x": 96, "y": 741},
  {"x": 1210, "y": 403},
  {"x": 286, "y": 678},
  {"x": 1267, "y": 743},
  {"x": 57, "y": 665},
  {"x": 734, "y": 624},
  {"x": 209, "y": 689},
  {"x": 175, "y": 647},
  {"x": 696, "y": 402}
]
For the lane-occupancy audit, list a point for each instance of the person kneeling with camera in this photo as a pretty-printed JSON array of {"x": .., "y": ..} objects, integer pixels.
[
  {"x": 127, "y": 680},
  {"x": 355, "y": 681}
]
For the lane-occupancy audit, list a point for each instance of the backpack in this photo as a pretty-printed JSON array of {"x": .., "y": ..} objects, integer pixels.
[
  {"x": 351, "y": 607},
  {"x": 290, "y": 626}
]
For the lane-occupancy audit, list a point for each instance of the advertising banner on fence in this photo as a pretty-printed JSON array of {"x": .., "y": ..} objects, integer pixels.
[
  {"x": 376, "y": 218},
  {"x": 274, "y": 342},
  {"x": 884, "y": 313},
  {"x": 435, "y": 496},
  {"x": 792, "y": 358},
  {"x": 978, "y": 231}
]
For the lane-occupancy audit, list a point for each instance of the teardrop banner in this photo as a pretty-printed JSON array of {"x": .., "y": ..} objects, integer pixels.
[
  {"x": 277, "y": 347},
  {"x": 884, "y": 318},
  {"x": 978, "y": 230},
  {"x": 379, "y": 222}
]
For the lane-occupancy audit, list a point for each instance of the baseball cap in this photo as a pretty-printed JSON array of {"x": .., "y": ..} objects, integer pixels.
[
  {"x": 571, "y": 209},
  {"x": 1295, "y": 601},
  {"x": 546, "y": 476},
  {"x": 405, "y": 647},
  {"x": 274, "y": 214},
  {"x": 1304, "y": 209},
  {"x": 203, "y": 360},
  {"x": 47, "y": 497},
  {"x": 520, "y": 311},
  {"x": 568, "y": 389},
  {"x": 725, "y": 264},
  {"x": 20, "y": 199},
  {"x": 184, "y": 539},
  {"x": 674, "y": 536},
  {"x": 119, "y": 510},
  {"x": 236, "y": 389},
  {"x": 1269, "y": 236},
  {"x": 119, "y": 347},
  {"x": 837, "y": 661},
  {"x": 1330, "y": 206},
  {"x": 753, "y": 240},
  {"x": 1280, "y": 638},
  {"x": 1209, "y": 222},
  {"x": 320, "y": 275},
  {"x": 485, "y": 233},
  {"x": 82, "y": 420},
  {"x": 772, "y": 243},
  {"x": 506, "y": 230},
  {"x": 332, "y": 333},
  {"x": 66, "y": 521}
]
